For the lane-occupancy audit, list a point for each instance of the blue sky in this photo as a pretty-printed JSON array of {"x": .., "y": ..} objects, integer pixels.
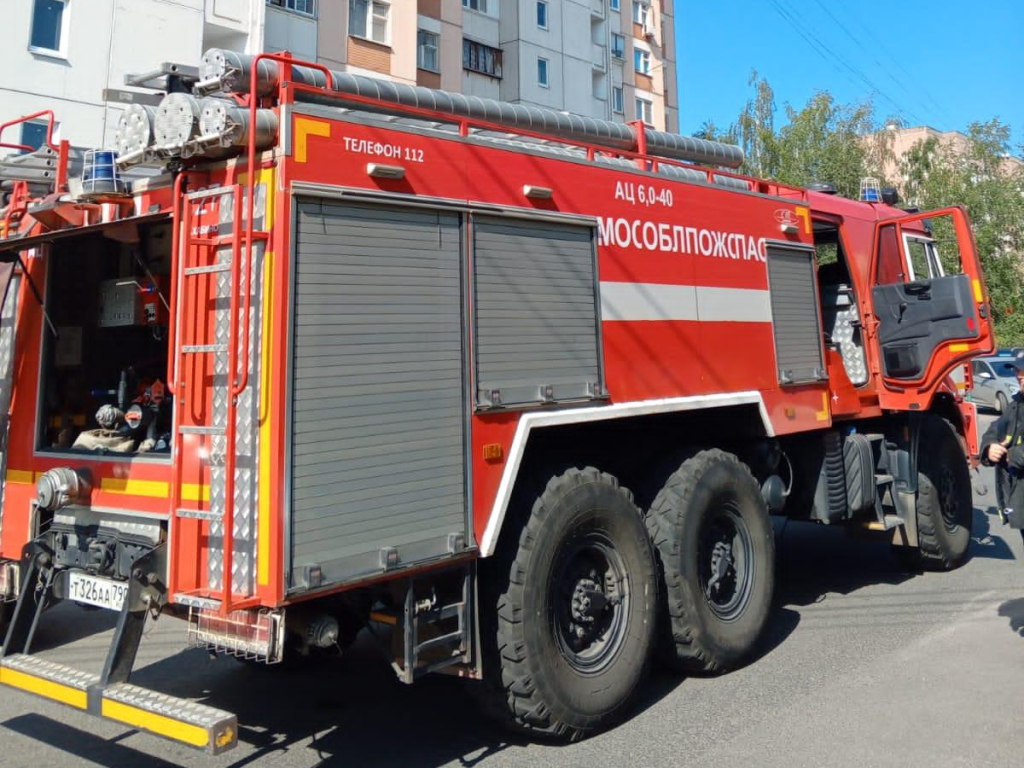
[{"x": 933, "y": 62}]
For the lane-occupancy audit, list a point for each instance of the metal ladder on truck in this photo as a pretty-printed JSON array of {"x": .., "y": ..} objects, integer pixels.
[{"x": 198, "y": 262}]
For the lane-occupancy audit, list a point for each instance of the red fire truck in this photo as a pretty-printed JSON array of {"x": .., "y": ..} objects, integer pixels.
[{"x": 318, "y": 352}]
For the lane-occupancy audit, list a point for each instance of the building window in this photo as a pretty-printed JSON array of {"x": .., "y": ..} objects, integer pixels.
[
  {"x": 481, "y": 58},
  {"x": 426, "y": 50},
  {"x": 542, "y": 14},
  {"x": 618, "y": 45},
  {"x": 542, "y": 72},
  {"x": 33, "y": 134},
  {"x": 640, "y": 12},
  {"x": 48, "y": 25},
  {"x": 617, "y": 105},
  {"x": 370, "y": 19},
  {"x": 645, "y": 110},
  {"x": 642, "y": 61},
  {"x": 475, "y": 5},
  {"x": 305, "y": 7},
  {"x": 614, "y": 4}
]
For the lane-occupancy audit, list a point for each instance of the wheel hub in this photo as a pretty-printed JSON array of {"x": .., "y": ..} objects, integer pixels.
[
  {"x": 721, "y": 564},
  {"x": 590, "y": 601},
  {"x": 947, "y": 498},
  {"x": 725, "y": 561}
]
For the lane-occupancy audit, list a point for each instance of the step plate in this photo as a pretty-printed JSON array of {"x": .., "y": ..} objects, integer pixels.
[
  {"x": 47, "y": 679},
  {"x": 199, "y": 726},
  {"x": 196, "y": 725}
]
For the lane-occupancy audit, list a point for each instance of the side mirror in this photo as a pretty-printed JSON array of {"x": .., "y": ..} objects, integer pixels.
[{"x": 985, "y": 375}]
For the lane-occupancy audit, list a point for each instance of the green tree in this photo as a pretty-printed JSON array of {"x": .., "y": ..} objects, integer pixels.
[
  {"x": 755, "y": 129},
  {"x": 824, "y": 142}
]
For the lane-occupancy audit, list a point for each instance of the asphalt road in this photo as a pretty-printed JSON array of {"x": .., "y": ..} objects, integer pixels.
[{"x": 865, "y": 664}]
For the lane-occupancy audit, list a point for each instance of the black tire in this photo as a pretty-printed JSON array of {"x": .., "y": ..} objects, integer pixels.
[
  {"x": 1001, "y": 403},
  {"x": 945, "y": 509},
  {"x": 560, "y": 661},
  {"x": 713, "y": 623}
]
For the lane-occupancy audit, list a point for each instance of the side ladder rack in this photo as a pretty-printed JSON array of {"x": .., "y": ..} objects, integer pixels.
[{"x": 236, "y": 350}]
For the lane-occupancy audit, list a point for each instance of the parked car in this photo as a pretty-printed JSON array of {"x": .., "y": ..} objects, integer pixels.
[{"x": 995, "y": 381}]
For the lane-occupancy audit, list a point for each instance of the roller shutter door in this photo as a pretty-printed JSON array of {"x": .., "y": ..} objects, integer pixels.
[
  {"x": 536, "y": 319},
  {"x": 377, "y": 428},
  {"x": 796, "y": 316}
]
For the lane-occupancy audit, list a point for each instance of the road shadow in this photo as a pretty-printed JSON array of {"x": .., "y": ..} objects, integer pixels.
[
  {"x": 813, "y": 560},
  {"x": 1014, "y": 611},
  {"x": 351, "y": 711},
  {"x": 81, "y": 746},
  {"x": 987, "y": 543}
]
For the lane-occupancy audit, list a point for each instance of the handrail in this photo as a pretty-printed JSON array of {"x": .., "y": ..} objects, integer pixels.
[
  {"x": 241, "y": 380},
  {"x": 179, "y": 239},
  {"x": 639, "y": 156},
  {"x": 177, "y": 269},
  {"x": 24, "y": 119}
]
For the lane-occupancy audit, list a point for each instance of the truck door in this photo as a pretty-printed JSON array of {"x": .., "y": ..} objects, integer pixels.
[{"x": 929, "y": 301}]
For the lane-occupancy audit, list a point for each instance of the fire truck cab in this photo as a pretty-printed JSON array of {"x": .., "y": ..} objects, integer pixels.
[{"x": 313, "y": 352}]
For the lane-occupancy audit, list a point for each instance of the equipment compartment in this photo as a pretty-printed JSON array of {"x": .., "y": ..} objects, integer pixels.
[{"x": 104, "y": 352}]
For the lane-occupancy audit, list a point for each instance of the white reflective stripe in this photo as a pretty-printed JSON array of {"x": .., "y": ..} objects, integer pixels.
[
  {"x": 734, "y": 305},
  {"x": 648, "y": 301},
  {"x": 655, "y": 301},
  {"x": 528, "y": 421}
]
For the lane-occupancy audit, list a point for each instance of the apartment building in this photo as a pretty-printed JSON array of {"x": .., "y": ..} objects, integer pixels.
[
  {"x": 612, "y": 59},
  {"x": 902, "y": 140},
  {"x": 63, "y": 54}
]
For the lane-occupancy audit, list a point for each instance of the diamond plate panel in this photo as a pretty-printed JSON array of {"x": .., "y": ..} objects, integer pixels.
[
  {"x": 48, "y": 670},
  {"x": 218, "y": 443},
  {"x": 247, "y": 444},
  {"x": 246, "y": 486},
  {"x": 168, "y": 706},
  {"x": 8, "y": 313}
]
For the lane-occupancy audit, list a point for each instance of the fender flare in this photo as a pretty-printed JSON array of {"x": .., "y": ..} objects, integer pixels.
[{"x": 541, "y": 419}]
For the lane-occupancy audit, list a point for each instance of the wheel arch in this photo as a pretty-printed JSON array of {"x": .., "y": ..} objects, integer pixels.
[{"x": 622, "y": 439}]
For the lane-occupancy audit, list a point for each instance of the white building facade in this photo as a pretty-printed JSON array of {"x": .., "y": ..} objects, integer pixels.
[{"x": 612, "y": 59}]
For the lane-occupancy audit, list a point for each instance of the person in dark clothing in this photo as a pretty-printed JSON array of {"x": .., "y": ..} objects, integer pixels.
[{"x": 1002, "y": 447}]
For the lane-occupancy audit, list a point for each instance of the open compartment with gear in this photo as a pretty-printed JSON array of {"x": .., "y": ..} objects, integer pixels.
[{"x": 104, "y": 356}]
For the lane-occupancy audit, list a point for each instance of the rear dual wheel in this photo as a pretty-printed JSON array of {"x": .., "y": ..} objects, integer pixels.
[
  {"x": 577, "y": 597},
  {"x": 716, "y": 548},
  {"x": 576, "y": 611}
]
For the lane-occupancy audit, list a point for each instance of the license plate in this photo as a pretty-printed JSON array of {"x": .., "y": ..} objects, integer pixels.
[{"x": 96, "y": 590}]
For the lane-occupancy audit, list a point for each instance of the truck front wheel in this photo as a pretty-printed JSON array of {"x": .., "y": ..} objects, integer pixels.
[
  {"x": 715, "y": 544},
  {"x": 576, "y": 611},
  {"x": 945, "y": 509}
]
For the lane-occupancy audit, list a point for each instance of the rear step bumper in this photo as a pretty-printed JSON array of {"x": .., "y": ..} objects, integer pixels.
[{"x": 186, "y": 722}]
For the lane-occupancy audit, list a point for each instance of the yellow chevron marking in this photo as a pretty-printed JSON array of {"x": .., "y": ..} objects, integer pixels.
[
  {"x": 805, "y": 214},
  {"x": 822, "y": 415},
  {"x": 304, "y": 128},
  {"x": 195, "y": 492},
  {"x": 20, "y": 476},
  {"x": 263, "y": 519},
  {"x": 154, "y": 488}
]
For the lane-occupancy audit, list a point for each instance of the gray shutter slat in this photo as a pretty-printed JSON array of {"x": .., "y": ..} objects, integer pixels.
[
  {"x": 535, "y": 311},
  {"x": 795, "y": 315},
  {"x": 377, "y": 451}
]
